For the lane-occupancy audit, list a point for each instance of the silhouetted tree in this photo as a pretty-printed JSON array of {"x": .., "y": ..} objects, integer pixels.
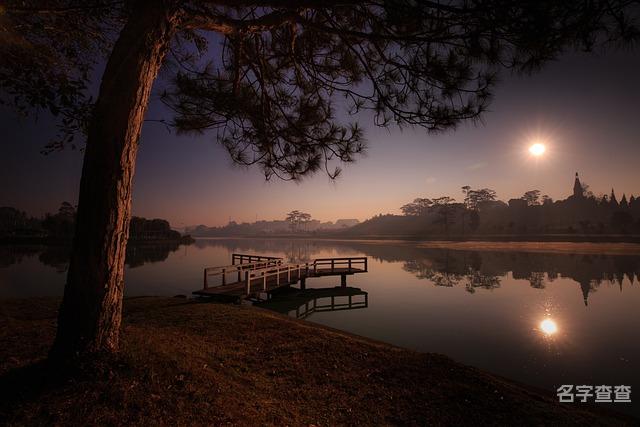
[
  {"x": 419, "y": 206},
  {"x": 67, "y": 210},
  {"x": 269, "y": 94},
  {"x": 613, "y": 202},
  {"x": 624, "y": 205},
  {"x": 292, "y": 219},
  {"x": 586, "y": 190},
  {"x": 152, "y": 229},
  {"x": 305, "y": 218},
  {"x": 532, "y": 197},
  {"x": 445, "y": 210},
  {"x": 16, "y": 222},
  {"x": 296, "y": 217},
  {"x": 477, "y": 197},
  {"x": 472, "y": 199},
  {"x": 465, "y": 190},
  {"x": 61, "y": 224}
]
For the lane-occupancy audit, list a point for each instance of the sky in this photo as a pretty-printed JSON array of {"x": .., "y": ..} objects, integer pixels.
[{"x": 584, "y": 108}]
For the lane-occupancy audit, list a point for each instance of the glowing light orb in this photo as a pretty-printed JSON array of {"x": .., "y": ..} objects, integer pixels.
[
  {"x": 548, "y": 326},
  {"x": 537, "y": 149}
]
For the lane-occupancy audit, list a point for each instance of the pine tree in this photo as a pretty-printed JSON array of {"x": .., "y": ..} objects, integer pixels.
[
  {"x": 612, "y": 199},
  {"x": 623, "y": 202}
]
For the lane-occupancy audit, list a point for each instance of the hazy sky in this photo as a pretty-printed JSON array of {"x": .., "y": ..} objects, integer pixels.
[{"x": 585, "y": 108}]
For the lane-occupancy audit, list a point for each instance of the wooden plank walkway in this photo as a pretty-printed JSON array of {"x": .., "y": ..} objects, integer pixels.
[{"x": 265, "y": 274}]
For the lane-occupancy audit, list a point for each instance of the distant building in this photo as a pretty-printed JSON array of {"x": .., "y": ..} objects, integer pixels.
[
  {"x": 578, "y": 191},
  {"x": 347, "y": 222},
  {"x": 517, "y": 204}
]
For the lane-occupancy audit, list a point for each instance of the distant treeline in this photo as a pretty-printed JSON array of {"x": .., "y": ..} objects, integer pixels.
[
  {"x": 17, "y": 225},
  {"x": 481, "y": 214},
  {"x": 296, "y": 222}
]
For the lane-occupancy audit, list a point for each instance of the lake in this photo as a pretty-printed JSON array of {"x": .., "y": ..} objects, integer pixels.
[{"x": 541, "y": 319}]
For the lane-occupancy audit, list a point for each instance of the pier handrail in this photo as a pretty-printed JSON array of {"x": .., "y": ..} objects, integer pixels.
[
  {"x": 236, "y": 268},
  {"x": 251, "y": 258},
  {"x": 265, "y": 273},
  {"x": 332, "y": 263},
  {"x": 272, "y": 273}
]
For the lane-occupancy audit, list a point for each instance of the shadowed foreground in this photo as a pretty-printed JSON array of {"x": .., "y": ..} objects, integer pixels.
[{"x": 194, "y": 363}]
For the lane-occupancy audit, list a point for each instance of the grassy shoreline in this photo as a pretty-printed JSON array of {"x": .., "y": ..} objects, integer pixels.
[{"x": 188, "y": 363}]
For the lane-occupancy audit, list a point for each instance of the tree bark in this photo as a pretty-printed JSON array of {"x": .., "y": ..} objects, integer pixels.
[{"x": 90, "y": 315}]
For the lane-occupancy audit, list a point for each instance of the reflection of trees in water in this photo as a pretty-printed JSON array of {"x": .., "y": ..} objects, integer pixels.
[
  {"x": 537, "y": 280},
  {"x": 54, "y": 256},
  {"x": 138, "y": 255},
  {"x": 475, "y": 279},
  {"x": 485, "y": 269},
  {"x": 57, "y": 256},
  {"x": 10, "y": 254},
  {"x": 450, "y": 275}
]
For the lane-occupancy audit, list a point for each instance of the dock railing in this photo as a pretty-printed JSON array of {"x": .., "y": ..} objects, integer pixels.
[
  {"x": 262, "y": 276},
  {"x": 262, "y": 270},
  {"x": 248, "y": 258},
  {"x": 333, "y": 264},
  {"x": 238, "y": 269}
]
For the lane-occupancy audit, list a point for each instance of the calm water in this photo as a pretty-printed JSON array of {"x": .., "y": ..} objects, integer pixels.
[{"x": 480, "y": 308}]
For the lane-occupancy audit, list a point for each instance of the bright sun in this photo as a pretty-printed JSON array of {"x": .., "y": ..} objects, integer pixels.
[{"x": 537, "y": 149}]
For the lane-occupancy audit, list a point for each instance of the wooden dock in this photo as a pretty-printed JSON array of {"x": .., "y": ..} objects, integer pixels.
[{"x": 252, "y": 275}]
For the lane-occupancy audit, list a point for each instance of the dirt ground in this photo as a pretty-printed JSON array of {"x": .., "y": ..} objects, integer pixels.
[{"x": 185, "y": 362}]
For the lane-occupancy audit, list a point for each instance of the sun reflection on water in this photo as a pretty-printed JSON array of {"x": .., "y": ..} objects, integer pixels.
[{"x": 548, "y": 326}]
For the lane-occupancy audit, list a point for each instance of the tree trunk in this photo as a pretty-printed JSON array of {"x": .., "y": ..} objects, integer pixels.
[{"x": 91, "y": 311}]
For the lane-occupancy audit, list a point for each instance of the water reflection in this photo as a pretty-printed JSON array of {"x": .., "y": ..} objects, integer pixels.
[
  {"x": 303, "y": 303},
  {"x": 548, "y": 326},
  {"x": 485, "y": 270},
  {"x": 57, "y": 256},
  {"x": 472, "y": 270}
]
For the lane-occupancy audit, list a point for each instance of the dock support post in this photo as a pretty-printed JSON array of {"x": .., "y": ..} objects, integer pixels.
[
  {"x": 303, "y": 283},
  {"x": 343, "y": 280},
  {"x": 205, "y": 285}
]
